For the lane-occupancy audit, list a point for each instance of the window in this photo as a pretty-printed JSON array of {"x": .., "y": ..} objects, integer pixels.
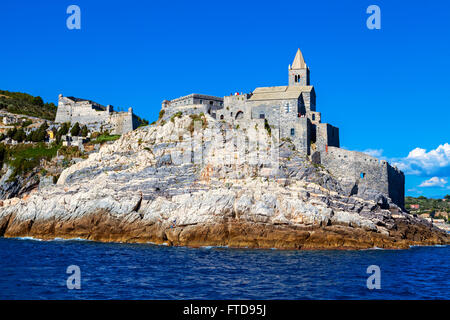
[
  {"x": 292, "y": 132},
  {"x": 231, "y": 114},
  {"x": 211, "y": 102},
  {"x": 313, "y": 117},
  {"x": 362, "y": 175},
  {"x": 261, "y": 116},
  {"x": 221, "y": 117},
  {"x": 201, "y": 101}
]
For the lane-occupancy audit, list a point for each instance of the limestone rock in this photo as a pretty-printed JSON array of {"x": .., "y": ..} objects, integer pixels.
[{"x": 158, "y": 184}]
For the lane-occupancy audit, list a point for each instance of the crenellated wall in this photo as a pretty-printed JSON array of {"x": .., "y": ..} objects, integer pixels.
[
  {"x": 94, "y": 115},
  {"x": 363, "y": 175}
]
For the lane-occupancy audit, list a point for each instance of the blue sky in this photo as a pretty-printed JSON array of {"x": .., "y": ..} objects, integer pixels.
[{"x": 387, "y": 90}]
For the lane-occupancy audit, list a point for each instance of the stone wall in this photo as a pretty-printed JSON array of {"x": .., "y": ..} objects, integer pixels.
[
  {"x": 123, "y": 122},
  {"x": 298, "y": 131},
  {"x": 396, "y": 180},
  {"x": 363, "y": 175},
  {"x": 326, "y": 135},
  {"x": 192, "y": 104},
  {"x": 95, "y": 116}
]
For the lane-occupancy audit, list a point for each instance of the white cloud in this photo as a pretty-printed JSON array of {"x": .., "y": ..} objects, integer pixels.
[
  {"x": 422, "y": 163},
  {"x": 434, "y": 182}
]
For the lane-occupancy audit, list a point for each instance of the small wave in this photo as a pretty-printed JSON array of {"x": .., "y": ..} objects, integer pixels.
[
  {"x": 157, "y": 244},
  {"x": 27, "y": 238},
  {"x": 54, "y": 239},
  {"x": 69, "y": 239},
  {"x": 214, "y": 247},
  {"x": 428, "y": 246},
  {"x": 373, "y": 248}
]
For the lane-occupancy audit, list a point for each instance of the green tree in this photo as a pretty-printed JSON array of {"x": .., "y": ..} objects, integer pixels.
[
  {"x": 447, "y": 197},
  {"x": 84, "y": 131},
  {"x": 38, "y": 101},
  {"x": 64, "y": 128},
  {"x": 75, "y": 131},
  {"x": 62, "y": 131},
  {"x": 11, "y": 132},
  {"x": 2, "y": 154},
  {"x": 40, "y": 134},
  {"x": 20, "y": 135}
]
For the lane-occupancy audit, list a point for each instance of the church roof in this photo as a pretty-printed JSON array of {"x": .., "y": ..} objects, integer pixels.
[
  {"x": 279, "y": 93},
  {"x": 299, "y": 62}
]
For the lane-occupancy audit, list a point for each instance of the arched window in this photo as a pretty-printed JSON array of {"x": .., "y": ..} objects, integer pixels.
[{"x": 221, "y": 117}]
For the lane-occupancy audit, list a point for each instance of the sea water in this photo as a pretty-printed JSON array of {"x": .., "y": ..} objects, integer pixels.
[{"x": 31, "y": 269}]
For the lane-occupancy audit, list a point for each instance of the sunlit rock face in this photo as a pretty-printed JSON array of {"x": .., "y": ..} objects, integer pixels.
[{"x": 197, "y": 181}]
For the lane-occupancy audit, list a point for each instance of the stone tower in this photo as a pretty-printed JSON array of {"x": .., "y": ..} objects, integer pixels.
[{"x": 298, "y": 72}]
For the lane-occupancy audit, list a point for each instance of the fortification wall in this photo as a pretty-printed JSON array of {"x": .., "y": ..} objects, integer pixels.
[
  {"x": 396, "y": 180},
  {"x": 363, "y": 175},
  {"x": 95, "y": 116},
  {"x": 299, "y": 132},
  {"x": 235, "y": 108},
  {"x": 85, "y": 115},
  {"x": 326, "y": 135},
  {"x": 123, "y": 122},
  {"x": 64, "y": 110},
  {"x": 83, "y": 112}
]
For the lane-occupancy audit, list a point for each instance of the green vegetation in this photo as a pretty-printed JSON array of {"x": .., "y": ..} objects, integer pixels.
[
  {"x": 75, "y": 131},
  {"x": 104, "y": 137},
  {"x": 69, "y": 152},
  {"x": 23, "y": 103},
  {"x": 84, "y": 131},
  {"x": 176, "y": 115},
  {"x": 267, "y": 127},
  {"x": 161, "y": 114},
  {"x": 19, "y": 134},
  {"x": 23, "y": 158},
  {"x": 142, "y": 122},
  {"x": 63, "y": 130},
  {"x": 197, "y": 117},
  {"x": 427, "y": 205},
  {"x": 26, "y": 123}
]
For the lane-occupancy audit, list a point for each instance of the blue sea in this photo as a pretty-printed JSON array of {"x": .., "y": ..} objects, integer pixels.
[{"x": 33, "y": 269}]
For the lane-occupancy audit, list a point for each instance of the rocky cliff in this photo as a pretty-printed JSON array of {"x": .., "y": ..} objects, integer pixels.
[{"x": 182, "y": 183}]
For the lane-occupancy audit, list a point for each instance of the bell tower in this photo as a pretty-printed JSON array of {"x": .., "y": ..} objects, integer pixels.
[{"x": 298, "y": 72}]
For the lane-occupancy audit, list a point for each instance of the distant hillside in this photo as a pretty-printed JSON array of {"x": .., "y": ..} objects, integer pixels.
[
  {"x": 23, "y": 103},
  {"x": 427, "y": 205}
]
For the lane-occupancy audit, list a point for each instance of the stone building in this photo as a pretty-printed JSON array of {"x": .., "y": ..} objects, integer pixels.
[
  {"x": 95, "y": 116},
  {"x": 292, "y": 110}
]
